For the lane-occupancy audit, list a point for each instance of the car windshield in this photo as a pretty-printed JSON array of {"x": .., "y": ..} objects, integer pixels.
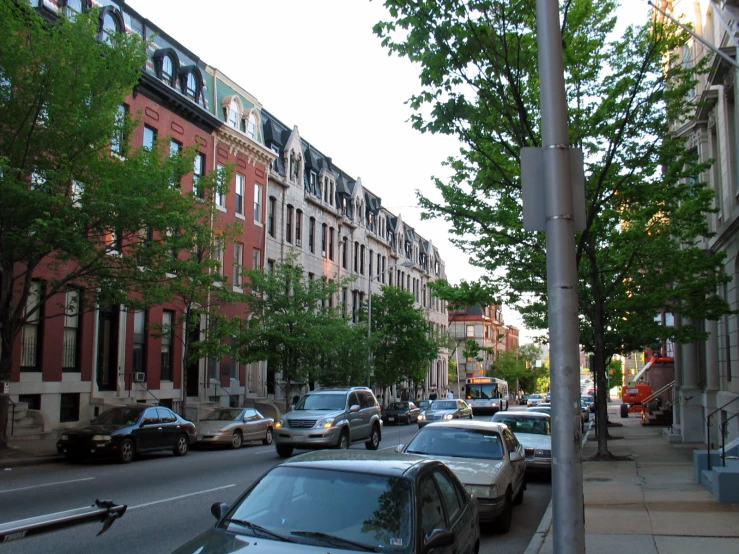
[
  {"x": 457, "y": 443},
  {"x": 444, "y": 405},
  {"x": 398, "y": 406},
  {"x": 372, "y": 510},
  {"x": 225, "y": 414},
  {"x": 118, "y": 416},
  {"x": 536, "y": 396},
  {"x": 524, "y": 424},
  {"x": 322, "y": 402}
]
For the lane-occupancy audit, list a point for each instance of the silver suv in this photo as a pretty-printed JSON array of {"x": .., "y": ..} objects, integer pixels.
[{"x": 329, "y": 418}]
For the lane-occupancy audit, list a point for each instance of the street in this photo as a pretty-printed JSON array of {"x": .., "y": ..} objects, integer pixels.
[{"x": 169, "y": 498}]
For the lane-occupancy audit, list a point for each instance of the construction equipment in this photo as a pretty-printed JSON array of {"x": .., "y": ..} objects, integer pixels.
[{"x": 656, "y": 373}]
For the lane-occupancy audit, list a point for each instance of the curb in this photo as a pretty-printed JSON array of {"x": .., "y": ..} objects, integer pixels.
[
  {"x": 545, "y": 525},
  {"x": 31, "y": 461}
]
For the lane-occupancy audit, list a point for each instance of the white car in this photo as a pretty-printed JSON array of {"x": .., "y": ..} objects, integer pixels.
[
  {"x": 535, "y": 399},
  {"x": 534, "y": 431},
  {"x": 485, "y": 456}
]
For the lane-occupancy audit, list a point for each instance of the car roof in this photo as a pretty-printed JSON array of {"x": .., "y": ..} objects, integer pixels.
[
  {"x": 380, "y": 462},
  {"x": 469, "y": 424},
  {"x": 337, "y": 390},
  {"x": 540, "y": 415}
]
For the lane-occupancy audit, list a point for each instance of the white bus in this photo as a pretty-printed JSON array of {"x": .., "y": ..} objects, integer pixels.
[{"x": 486, "y": 394}]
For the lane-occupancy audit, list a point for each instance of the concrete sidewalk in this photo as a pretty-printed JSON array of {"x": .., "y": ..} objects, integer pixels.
[
  {"x": 29, "y": 452},
  {"x": 650, "y": 505}
]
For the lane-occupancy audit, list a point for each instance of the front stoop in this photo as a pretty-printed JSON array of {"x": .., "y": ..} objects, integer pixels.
[{"x": 722, "y": 480}]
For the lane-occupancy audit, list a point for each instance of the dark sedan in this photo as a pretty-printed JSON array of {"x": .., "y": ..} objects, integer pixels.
[
  {"x": 401, "y": 412},
  {"x": 126, "y": 431},
  {"x": 346, "y": 501},
  {"x": 443, "y": 410}
]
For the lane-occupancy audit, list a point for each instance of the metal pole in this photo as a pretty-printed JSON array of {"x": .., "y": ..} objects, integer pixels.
[
  {"x": 568, "y": 515},
  {"x": 369, "y": 334}
]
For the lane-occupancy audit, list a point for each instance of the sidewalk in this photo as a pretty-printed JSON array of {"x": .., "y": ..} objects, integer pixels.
[
  {"x": 650, "y": 505},
  {"x": 29, "y": 452}
]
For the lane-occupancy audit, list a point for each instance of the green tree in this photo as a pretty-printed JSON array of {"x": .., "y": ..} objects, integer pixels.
[
  {"x": 292, "y": 325},
  {"x": 90, "y": 220},
  {"x": 645, "y": 204},
  {"x": 402, "y": 341}
]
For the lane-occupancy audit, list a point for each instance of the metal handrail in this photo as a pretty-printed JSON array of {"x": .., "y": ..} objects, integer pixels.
[
  {"x": 657, "y": 393},
  {"x": 724, "y": 431},
  {"x": 708, "y": 429},
  {"x": 12, "y": 417},
  {"x": 230, "y": 396}
]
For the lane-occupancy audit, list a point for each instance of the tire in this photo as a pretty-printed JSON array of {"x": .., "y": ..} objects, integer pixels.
[
  {"x": 268, "y": 437},
  {"x": 518, "y": 499},
  {"x": 374, "y": 441},
  {"x": 181, "y": 446},
  {"x": 284, "y": 451},
  {"x": 503, "y": 524},
  {"x": 237, "y": 439},
  {"x": 343, "y": 442},
  {"x": 126, "y": 451},
  {"x": 624, "y": 410}
]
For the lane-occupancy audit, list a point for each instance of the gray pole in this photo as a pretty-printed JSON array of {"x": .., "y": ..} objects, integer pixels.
[{"x": 567, "y": 487}]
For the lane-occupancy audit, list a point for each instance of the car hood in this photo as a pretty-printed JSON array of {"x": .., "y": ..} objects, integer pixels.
[
  {"x": 531, "y": 440},
  {"x": 213, "y": 426},
  {"x": 470, "y": 470},
  {"x": 313, "y": 414},
  {"x": 94, "y": 430},
  {"x": 395, "y": 412},
  {"x": 217, "y": 541}
]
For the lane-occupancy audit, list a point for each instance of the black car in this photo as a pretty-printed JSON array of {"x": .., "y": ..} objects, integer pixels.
[
  {"x": 348, "y": 500},
  {"x": 401, "y": 412},
  {"x": 126, "y": 431}
]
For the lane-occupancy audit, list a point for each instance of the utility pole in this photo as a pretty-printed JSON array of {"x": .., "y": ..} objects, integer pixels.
[{"x": 553, "y": 195}]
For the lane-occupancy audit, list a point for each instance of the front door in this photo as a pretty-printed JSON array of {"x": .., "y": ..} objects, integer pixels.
[
  {"x": 107, "y": 352},
  {"x": 193, "y": 367}
]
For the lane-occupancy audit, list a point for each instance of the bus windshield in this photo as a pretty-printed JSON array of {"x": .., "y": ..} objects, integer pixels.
[{"x": 482, "y": 391}]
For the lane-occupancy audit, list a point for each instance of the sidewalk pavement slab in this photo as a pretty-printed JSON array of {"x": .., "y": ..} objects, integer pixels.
[{"x": 29, "y": 452}]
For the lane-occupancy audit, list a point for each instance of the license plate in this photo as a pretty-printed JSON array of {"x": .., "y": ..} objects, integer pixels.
[{"x": 391, "y": 419}]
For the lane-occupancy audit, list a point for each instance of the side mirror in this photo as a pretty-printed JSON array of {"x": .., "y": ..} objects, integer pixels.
[
  {"x": 399, "y": 448},
  {"x": 515, "y": 456},
  {"x": 219, "y": 509},
  {"x": 438, "y": 538},
  {"x": 354, "y": 408}
]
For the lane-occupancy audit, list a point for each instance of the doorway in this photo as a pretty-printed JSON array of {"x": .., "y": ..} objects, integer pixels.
[{"x": 107, "y": 351}]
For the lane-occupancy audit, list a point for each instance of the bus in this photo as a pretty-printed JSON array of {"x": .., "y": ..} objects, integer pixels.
[{"x": 486, "y": 394}]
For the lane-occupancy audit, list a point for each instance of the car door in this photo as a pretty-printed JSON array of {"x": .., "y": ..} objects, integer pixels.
[
  {"x": 171, "y": 428},
  {"x": 413, "y": 412},
  {"x": 518, "y": 467},
  {"x": 355, "y": 418},
  {"x": 459, "y": 518},
  {"x": 464, "y": 409},
  {"x": 368, "y": 409},
  {"x": 149, "y": 433},
  {"x": 254, "y": 427}
]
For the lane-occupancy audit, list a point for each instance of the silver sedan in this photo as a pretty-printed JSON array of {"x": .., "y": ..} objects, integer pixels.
[{"x": 234, "y": 426}]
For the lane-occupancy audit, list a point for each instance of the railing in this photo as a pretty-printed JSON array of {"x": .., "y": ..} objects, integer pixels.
[
  {"x": 233, "y": 401},
  {"x": 708, "y": 429},
  {"x": 657, "y": 393},
  {"x": 12, "y": 416},
  {"x": 724, "y": 429},
  {"x": 644, "y": 403}
]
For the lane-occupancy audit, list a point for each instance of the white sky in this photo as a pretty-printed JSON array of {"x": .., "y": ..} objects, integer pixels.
[{"x": 317, "y": 64}]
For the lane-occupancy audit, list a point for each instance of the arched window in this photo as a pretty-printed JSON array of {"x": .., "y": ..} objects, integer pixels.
[
  {"x": 110, "y": 24},
  {"x": 233, "y": 114},
  {"x": 73, "y": 7},
  {"x": 191, "y": 87},
  {"x": 251, "y": 127},
  {"x": 167, "y": 70}
]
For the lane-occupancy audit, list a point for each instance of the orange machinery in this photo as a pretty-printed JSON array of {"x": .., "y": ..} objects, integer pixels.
[{"x": 658, "y": 371}]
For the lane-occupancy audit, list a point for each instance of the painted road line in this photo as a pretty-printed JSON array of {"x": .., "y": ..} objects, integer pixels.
[
  {"x": 147, "y": 504},
  {"x": 47, "y": 485}
]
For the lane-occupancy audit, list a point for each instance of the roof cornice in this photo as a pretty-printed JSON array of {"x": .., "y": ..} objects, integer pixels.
[{"x": 238, "y": 141}]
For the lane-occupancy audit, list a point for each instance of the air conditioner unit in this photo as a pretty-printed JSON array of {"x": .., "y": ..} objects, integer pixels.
[
  {"x": 298, "y": 242},
  {"x": 139, "y": 377}
]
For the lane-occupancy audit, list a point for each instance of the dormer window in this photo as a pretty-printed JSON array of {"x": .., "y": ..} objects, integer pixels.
[
  {"x": 73, "y": 7},
  {"x": 191, "y": 87},
  {"x": 167, "y": 70},
  {"x": 110, "y": 24},
  {"x": 191, "y": 83},
  {"x": 233, "y": 114},
  {"x": 251, "y": 126}
]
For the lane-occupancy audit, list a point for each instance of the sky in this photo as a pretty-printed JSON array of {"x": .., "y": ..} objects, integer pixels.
[{"x": 317, "y": 64}]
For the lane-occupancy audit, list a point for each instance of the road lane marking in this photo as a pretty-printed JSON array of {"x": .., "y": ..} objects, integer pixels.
[
  {"x": 147, "y": 504},
  {"x": 47, "y": 484}
]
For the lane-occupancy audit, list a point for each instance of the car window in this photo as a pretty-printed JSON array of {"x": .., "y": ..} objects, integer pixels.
[
  {"x": 457, "y": 443},
  {"x": 331, "y": 402},
  {"x": 150, "y": 417},
  {"x": 353, "y": 400},
  {"x": 461, "y": 405},
  {"x": 250, "y": 414},
  {"x": 510, "y": 441},
  {"x": 166, "y": 416},
  {"x": 449, "y": 495},
  {"x": 432, "y": 514},
  {"x": 368, "y": 401}
]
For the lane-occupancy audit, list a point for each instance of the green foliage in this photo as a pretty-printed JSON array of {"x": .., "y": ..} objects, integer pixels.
[
  {"x": 615, "y": 374},
  {"x": 520, "y": 366},
  {"x": 402, "y": 341}
]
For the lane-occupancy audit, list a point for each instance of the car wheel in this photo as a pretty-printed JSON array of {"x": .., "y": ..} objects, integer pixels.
[
  {"x": 624, "y": 410},
  {"x": 503, "y": 523},
  {"x": 343, "y": 443},
  {"x": 181, "y": 446},
  {"x": 268, "y": 437},
  {"x": 126, "y": 451},
  {"x": 284, "y": 451},
  {"x": 374, "y": 441},
  {"x": 518, "y": 499},
  {"x": 236, "y": 440}
]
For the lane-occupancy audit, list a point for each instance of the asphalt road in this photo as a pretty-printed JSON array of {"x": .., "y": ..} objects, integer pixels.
[{"x": 169, "y": 498}]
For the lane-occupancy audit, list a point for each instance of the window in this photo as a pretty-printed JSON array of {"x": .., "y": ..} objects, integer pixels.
[
  {"x": 72, "y": 8},
  {"x": 289, "y": 224},
  {"x": 76, "y": 193},
  {"x": 31, "y": 340},
  {"x": 470, "y": 330},
  {"x": 150, "y": 136},
  {"x": 271, "y": 215},
  {"x": 69, "y": 407},
  {"x": 324, "y": 237},
  {"x": 70, "y": 347},
  {"x": 238, "y": 263},
  {"x": 175, "y": 148},
  {"x": 371, "y": 255},
  {"x": 312, "y": 235},
  {"x": 199, "y": 171},
  {"x": 344, "y": 253},
  {"x": 218, "y": 254},
  {"x": 233, "y": 114},
  {"x": 298, "y": 227},
  {"x": 257, "y": 203},
  {"x": 312, "y": 182},
  {"x": 251, "y": 126},
  {"x": 221, "y": 189},
  {"x": 167, "y": 70},
  {"x": 361, "y": 260},
  {"x": 139, "y": 341},
  {"x": 109, "y": 26},
  {"x": 118, "y": 141},
  {"x": 240, "y": 185},
  {"x": 167, "y": 357},
  {"x": 275, "y": 165},
  {"x": 191, "y": 87},
  {"x": 449, "y": 494},
  {"x": 432, "y": 512},
  {"x": 383, "y": 270},
  {"x": 256, "y": 256},
  {"x": 356, "y": 256},
  {"x": 331, "y": 243}
]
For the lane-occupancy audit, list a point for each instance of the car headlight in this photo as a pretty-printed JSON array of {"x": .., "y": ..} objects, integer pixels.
[
  {"x": 483, "y": 491},
  {"x": 541, "y": 453},
  {"x": 326, "y": 422},
  {"x": 101, "y": 438},
  {"x": 280, "y": 424},
  {"x": 421, "y": 416},
  {"x": 448, "y": 416},
  {"x": 64, "y": 438}
]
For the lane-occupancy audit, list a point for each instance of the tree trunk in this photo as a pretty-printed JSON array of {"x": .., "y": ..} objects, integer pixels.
[
  {"x": 6, "y": 359},
  {"x": 601, "y": 391}
]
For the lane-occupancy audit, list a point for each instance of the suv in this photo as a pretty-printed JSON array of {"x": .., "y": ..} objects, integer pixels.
[{"x": 329, "y": 418}]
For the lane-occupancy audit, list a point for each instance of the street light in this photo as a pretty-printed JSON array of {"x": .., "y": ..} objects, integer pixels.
[{"x": 369, "y": 309}]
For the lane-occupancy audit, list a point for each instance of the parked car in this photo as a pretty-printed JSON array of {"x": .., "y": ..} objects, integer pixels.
[
  {"x": 424, "y": 404},
  {"x": 441, "y": 410},
  {"x": 523, "y": 400},
  {"x": 485, "y": 456},
  {"x": 126, "y": 431},
  {"x": 347, "y": 501},
  {"x": 534, "y": 432},
  {"x": 545, "y": 407},
  {"x": 534, "y": 399},
  {"x": 234, "y": 426},
  {"x": 589, "y": 401},
  {"x": 401, "y": 412},
  {"x": 327, "y": 418}
]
